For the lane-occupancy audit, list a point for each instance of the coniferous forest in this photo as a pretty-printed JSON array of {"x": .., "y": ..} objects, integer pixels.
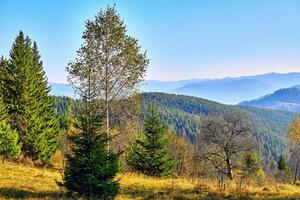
[{"x": 114, "y": 142}]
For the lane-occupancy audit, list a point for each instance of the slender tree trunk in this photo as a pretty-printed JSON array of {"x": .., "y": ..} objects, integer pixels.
[
  {"x": 296, "y": 174},
  {"x": 107, "y": 125},
  {"x": 107, "y": 108},
  {"x": 229, "y": 169}
]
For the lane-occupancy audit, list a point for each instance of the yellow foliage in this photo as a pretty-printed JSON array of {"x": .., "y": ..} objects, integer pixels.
[{"x": 295, "y": 128}]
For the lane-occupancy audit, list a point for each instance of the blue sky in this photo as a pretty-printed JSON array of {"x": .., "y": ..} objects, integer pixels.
[{"x": 184, "y": 39}]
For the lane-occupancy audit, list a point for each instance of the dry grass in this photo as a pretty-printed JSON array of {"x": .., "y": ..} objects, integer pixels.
[{"x": 23, "y": 182}]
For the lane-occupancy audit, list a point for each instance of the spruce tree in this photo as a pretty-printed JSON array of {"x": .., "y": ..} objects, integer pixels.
[
  {"x": 16, "y": 76},
  {"x": 149, "y": 154},
  {"x": 26, "y": 95},
  {"x": 9, "y": 139},
  {"x": 90, "y": 169},
  {"x": 41, "y": 140}
]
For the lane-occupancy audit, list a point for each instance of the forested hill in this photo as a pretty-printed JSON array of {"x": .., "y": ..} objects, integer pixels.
[
  {"x": 183, "y": 115},
  {"x": 287, "y": 99}
]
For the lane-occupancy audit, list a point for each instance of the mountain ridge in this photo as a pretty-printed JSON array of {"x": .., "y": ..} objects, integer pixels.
[{"x": 285, "y": 99}]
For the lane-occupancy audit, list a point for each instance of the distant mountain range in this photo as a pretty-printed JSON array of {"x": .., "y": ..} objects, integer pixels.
[
  {"x": 287, "y": 99},
  {"x": 62, "y": 89},
  {"x": 228, "y": 90}
]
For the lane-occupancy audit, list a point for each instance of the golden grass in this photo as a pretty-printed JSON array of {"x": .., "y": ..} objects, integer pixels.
[{"x": 23, "y": 182}]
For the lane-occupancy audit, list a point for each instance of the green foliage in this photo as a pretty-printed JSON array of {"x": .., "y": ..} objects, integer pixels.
[
  {"x": 282, "y": 164},
  {"x": 91, "y": 162},
  {"x": 149, "y": 154},
  {"x": 184, "y": 114},
  {"x": 251, "y": 163},
  {"x": 260, "y": 175},
  {"x": 16, "y": 82},
  {"x": 26, "y": 95},
  {"x": 9, "y": 139},
  {"x": 9, "y": 142}
]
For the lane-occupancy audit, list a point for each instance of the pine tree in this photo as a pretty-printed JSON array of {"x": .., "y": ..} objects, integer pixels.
[
  {"x": 149, "y": 154},
  {"x": 30, "y": 108},
  {"x": 9, "y": 139}
]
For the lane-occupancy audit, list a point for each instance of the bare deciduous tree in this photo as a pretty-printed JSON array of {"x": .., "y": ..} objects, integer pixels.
[{"x": 222, "y": 140}]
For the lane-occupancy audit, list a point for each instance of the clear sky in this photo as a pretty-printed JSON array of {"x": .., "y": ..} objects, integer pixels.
[{"x": 184, "y": 39}]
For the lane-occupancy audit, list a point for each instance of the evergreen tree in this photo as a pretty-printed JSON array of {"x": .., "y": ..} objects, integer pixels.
[
  {"x": 16, "y": 76},
  {"x": 9, "y": 139},
  {"x": 149, "y": 154},
  {"x": 30, "y": 108},
  {"x": 90, "y": 169},
  {"x": 251, "y": 163},
  {"x": 41, "y": 140},
  {"x": 3, "y": 64},
  {"x": 282, "y": 164}
]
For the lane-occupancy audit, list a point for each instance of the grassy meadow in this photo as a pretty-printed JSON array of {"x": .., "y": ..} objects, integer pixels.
[{"x": 22, "y": 181}]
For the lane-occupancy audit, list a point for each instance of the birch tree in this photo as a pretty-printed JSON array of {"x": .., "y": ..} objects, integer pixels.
[{"x": 116, "y": 59}]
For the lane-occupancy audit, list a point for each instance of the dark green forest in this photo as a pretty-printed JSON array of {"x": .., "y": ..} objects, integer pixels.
[{"x": 183, "y": 114}]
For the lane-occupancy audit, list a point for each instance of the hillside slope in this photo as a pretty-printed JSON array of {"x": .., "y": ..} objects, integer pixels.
[
  {"x": 18, "y": 181},
  {"x": 183, "y": 114},
  {"x": 287, "y": 99}
]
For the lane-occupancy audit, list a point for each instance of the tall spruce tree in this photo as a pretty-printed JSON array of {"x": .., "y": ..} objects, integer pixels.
[
  {"x": 149, "y": 154},
  {"x": 26, "y": 94},
  {"x": 16, "y": 76},
  {"x": 41, "y": 140}
]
